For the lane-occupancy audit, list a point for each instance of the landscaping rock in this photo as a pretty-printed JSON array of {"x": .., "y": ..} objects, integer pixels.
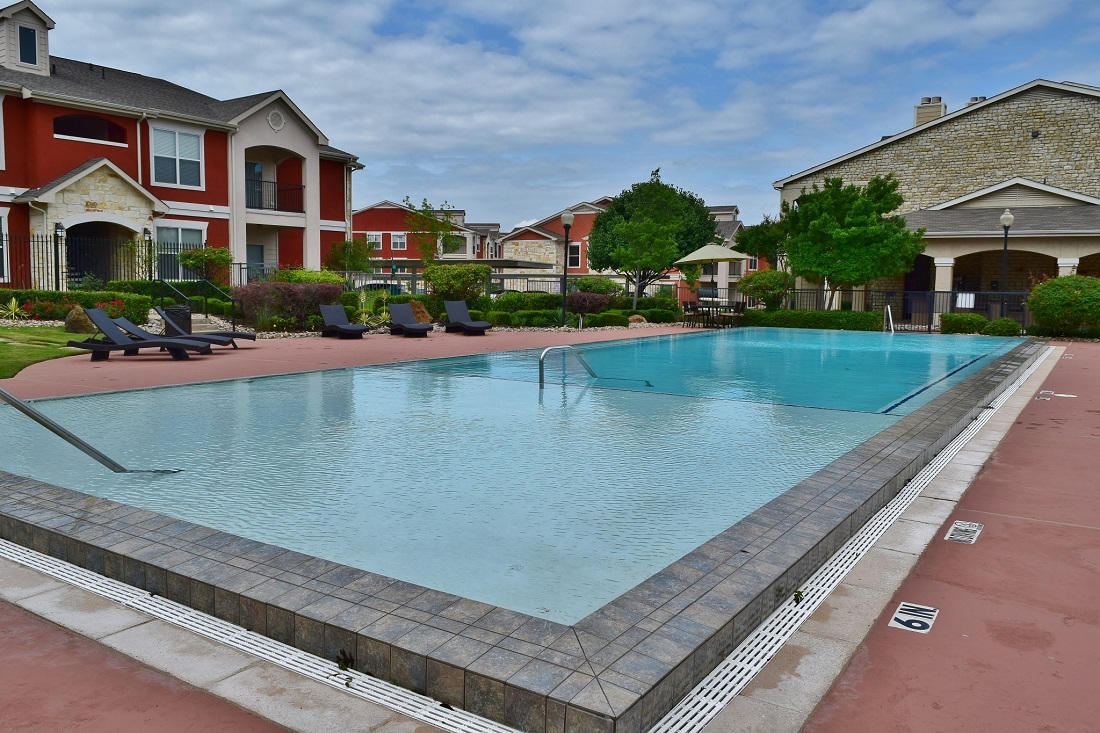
[
  {"x": 78, "y": 322},
  {"x": 421, "y": 313},
  {"x": 637, "y": 318}
]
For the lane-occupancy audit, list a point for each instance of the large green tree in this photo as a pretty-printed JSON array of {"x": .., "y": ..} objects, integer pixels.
[
  {"x": 646, "y": 228},
  {"x": 766, "y": 239},
  {"x": 845, "y": 235},
  {"x": 431, "y": 229}
]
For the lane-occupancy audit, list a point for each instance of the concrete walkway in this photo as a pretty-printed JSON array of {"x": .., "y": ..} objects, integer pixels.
[{"x": 1016, "y": 645}]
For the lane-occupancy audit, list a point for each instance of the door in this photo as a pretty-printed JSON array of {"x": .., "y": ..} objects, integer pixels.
[{"x": 254, "y": 260}]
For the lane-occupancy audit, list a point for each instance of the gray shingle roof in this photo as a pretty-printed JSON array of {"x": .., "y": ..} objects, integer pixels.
[
  {"x": 34, "y": 193},
  {"x": 1084, "y": 218},
  {"x": 91, "y": 83}
]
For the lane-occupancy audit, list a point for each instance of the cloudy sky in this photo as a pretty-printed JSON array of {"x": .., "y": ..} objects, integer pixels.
[{"x": 515, "y": 110}]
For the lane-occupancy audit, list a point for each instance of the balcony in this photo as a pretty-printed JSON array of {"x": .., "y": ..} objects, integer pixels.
[{"x": 270, "y": 196}]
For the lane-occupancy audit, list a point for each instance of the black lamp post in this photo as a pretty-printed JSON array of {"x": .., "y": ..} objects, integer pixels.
[
  {"x": 567, "y": 222},
  {"x": 1006, "y": 221}
]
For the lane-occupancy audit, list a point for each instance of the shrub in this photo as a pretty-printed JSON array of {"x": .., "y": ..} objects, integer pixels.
[
  {"x": 536, "y": 318},
  {"x": 767, "y": 286},
  {"x": 962, "y": 323},
  {"x": 87, "y": 281},
  {"x": 835, "y": 320},
  {"x": 1002, "y": 327},
  {"x": 512, "y": 302},
  {"x": 626, "y": 303},
  {"x": 597, "y": 284},
  {"x": 304, "y": 276},
  {"x": 498, "y": 318},
  {"x": 1066, "y": 305},
  {"x": 284, "y": 305},
  {"x": 599, "y": 320},
  {"x": 54, "y": 305},
  {"x": 457, "y": 282},
  {"x": 212, "y": 263},
  {"x": 661, "y": 315},
  {"x": 585, "y": 302}
]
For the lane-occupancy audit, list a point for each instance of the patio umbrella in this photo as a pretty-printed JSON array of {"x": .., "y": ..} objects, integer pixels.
[{"x": 711, "y": 253}]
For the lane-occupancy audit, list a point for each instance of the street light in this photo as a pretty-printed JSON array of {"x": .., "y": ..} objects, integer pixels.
[
  {"x": 567, "y": 222},
  {"x": 1006, "y": 221}
]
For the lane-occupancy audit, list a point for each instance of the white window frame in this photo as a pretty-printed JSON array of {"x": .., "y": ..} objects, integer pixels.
[
  {"x": 753, "y": 263},
  {"x": 177, "y": 129},
  {"x": 5, "y": 241},
  {"x": 19, "y": 46},
  {"x": 374, "y": 241},
  {"x": 574, "y": 255},
  {"x": 395, "y": 237},
  {"x": 177, "y": 224}
]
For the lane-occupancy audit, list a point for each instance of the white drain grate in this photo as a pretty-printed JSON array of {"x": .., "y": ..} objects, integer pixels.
[
  {"x": 368, "y": 688},
  {"x": 737, "y": 670},
  {"x": 689, "y": 716},
  {"x": 965, "y": 533}
]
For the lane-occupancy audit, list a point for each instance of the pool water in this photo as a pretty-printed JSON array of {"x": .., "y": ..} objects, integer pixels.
[{"x": 463, "y": 476}]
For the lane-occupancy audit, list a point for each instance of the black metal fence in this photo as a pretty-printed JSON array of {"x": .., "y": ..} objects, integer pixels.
[
  {"x": 51, "y": 262},
  {"x": 271, "y": 196}
]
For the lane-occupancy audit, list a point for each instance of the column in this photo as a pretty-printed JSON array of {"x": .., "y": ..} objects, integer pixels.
[
  {"x": 1068, "y": 266},
  {"x": 944, "y": 283}
]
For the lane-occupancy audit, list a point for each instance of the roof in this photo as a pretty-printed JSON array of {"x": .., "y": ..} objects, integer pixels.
[
  {"x": 1030, "y": 221},
  {"x": 1070, "y": 87},
  {"x": 47, "y": 192},
  {"x": 11, "y": 10}
]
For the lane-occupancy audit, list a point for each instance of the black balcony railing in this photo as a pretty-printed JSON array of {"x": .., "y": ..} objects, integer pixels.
[{"x": 270, "y": 196}]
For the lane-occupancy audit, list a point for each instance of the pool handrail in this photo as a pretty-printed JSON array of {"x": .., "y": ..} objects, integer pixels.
[
  {"x": 887, "y": 318},
  {"x": 58, "y": 430},
  {"x": 548, "y": 349}
]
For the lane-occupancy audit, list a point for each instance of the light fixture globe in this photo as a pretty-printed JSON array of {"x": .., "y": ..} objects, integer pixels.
[
  {"x": 567, "y": 219},
  {"x": 1007, "y": 218}
]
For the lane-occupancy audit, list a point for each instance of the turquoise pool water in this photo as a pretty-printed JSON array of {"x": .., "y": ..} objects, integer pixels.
[{"x": 461, "y": 475}]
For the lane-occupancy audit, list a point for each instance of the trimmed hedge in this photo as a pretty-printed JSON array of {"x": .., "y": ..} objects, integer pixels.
[
  {"x": 962, "y": 323},
  {"x": 607, "y": 318},
  {"x": 626, "y": 303},
  {"x": 532, "y": 301},
  {"x": 54, "y": 305},
  {"x": 834, "y": 320},
  {"x": 1002, "y": 327}
]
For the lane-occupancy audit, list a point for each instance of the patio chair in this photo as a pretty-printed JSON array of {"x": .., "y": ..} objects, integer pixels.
[
  {"x": 337, "y": 324},
  {"x": 458, "y": 319},
  {"x": 404, "y": 323},
  {"x": 171, "y": 328},
  {"x": 138, "y": 332},
  {"x": 115, "y": 339}
]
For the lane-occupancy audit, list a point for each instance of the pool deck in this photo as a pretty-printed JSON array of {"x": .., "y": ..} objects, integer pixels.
[{"x": 1014, "y": 647}]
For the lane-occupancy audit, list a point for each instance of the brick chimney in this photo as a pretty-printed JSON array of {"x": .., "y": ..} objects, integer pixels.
[{"x": 930, "y": 108}]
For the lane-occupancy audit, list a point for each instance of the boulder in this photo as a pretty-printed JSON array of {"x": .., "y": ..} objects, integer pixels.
[
  {"x": 421, "y": 313},
  {"x": 638, "y": 318},
  {"x": 78, "y": 322}
]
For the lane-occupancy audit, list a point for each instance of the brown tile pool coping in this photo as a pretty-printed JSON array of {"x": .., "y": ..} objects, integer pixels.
[{"x": 619, "y": 670}]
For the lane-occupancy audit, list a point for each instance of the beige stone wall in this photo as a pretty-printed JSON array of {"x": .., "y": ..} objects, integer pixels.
[
  {"x": 985, "y": 147},
  {"x": 102, "y": 191},
  {"x": 534, "y": 250}
]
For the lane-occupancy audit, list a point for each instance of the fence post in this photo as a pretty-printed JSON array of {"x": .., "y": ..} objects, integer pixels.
[{"x": 56, "y": 261}]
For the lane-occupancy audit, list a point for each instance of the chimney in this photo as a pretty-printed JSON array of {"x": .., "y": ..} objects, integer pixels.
[
  {"x": 975, "y": 100},
  {"x": 930, "y": 108}
]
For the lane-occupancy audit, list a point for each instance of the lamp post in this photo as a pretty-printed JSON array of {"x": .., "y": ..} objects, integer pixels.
[
  {"x": 566, "y": 222},
  {"x": 1006, "y": 221},
  {"x": 58, "y": 239}
]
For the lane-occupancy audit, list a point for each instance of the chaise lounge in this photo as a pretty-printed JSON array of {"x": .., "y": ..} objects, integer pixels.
[
  {"x": 115, "y": 339},
  {"x": 172, "y": 329},
  {"x": 404, "y": 323},
  {"x": 138, "y": 332},
  {"x": 337, "y": 324},
  {"x": 458, "y": 319}
]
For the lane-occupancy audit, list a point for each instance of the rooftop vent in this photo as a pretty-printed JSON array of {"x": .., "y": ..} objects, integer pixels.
[
  {"x": 975, "y": 100},
  {"x": 930, "y": 108}
]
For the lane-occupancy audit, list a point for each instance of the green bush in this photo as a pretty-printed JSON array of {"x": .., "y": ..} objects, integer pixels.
[
  {"x": 54, "y": 305},
  {"x": 834, "y": 320},
  {"x": 1066, "y": 306},
  {"x": 212, "y": 263},
  {"x": 304, "y": 276},
  {"x": 1002, "y": 327},
  {"x": 626, "y": 303},
  {"x": 457, "y": 282},
  {"x": 608, "y": 318},
  {"x": 962, "y": 323},
  {"x": 767, "y": 286},
  {"x": 661, "y": 315},
  {"x": 512, "y": 302},
  {"x": 498, "y": 318},
  {"x": 597, "y": 284},
  {"x": 536, "y": 318},
  {"x": 284, "y": 306}
]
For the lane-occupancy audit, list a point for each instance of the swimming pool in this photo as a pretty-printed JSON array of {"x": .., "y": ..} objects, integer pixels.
[{"x": 460, "y": 475}]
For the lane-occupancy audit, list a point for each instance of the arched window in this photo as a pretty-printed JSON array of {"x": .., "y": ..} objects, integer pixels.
[{"x": 89, "y": 127}]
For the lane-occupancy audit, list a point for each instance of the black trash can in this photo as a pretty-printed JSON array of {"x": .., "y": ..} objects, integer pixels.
[{"x": 179, "y": 315}]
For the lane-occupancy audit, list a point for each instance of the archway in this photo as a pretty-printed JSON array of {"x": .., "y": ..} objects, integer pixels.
[{"x": 101, "y": 250}]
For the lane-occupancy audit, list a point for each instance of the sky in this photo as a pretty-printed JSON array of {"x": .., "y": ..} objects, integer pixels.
[{"x": 513, "y": 111}]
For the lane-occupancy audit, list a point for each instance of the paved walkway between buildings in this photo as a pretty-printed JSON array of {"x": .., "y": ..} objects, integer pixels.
[{"x": 1015, "y": 645}]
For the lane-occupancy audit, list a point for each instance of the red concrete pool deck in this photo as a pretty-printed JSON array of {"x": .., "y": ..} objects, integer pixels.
[{"x": 1016, "y": 645}]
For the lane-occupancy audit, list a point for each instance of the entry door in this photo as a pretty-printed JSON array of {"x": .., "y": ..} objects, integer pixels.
[{"x": 254, "y": 259}]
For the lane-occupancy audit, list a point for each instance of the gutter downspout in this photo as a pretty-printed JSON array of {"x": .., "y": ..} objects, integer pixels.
[
  {"x": 144, "y": 115},
  {"x": 57, "y": 249}
]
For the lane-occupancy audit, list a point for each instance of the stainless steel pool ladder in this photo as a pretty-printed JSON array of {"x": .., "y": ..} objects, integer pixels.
[
  {"x": 548, "y": 349},
  {"x": 61, "y": 432},
  {"x": 887, "y": 319}
]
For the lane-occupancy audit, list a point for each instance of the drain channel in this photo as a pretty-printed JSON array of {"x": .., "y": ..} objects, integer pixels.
[{"x": 731, "y": 676}]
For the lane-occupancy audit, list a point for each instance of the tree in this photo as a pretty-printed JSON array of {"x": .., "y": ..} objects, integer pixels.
[
  {"x": 646, "y": 228},
  {"x": 767, "y": 286},
  {"x": 843, "y": 235},
  {"x": 766, "y": 239},
  {"x": 430, "y": 229}
]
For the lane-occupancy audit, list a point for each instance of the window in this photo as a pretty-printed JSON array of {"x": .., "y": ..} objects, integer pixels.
[
  {"x": 28, "y": 45},
  {"x": 3, "y": 247},
  {"x": 374, "y": 241},
  {"x": 177, "y": 158},
  {"x": 574, "y": 254},
  {"x": 753, "y": 263},
  {"x": 170, "y": 242},
  {"x": 89, "y": 127},
  {"x": 452, "y": 244},
  {"x": 397, "y": 241}
]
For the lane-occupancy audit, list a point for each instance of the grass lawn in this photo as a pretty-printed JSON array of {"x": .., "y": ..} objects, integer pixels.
[{"x": 21, "y": 346}]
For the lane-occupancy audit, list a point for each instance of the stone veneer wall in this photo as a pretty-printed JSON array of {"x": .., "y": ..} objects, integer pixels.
[
  {"x": 534, "y": 250},
  {"x": 983, "y": 148},
  {"x": 100, "y": 192}
]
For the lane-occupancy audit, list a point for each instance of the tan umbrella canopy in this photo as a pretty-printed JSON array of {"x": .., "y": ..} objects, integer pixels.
[{"x": 711, "y": 253}]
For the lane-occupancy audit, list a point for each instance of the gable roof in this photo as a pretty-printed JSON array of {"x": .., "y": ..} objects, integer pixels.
[
  {"x": 48, "y": 192},
  {"x": 391, "y": 205},
  {"x": 538, "y": 231},
  {"x": 1052, "y": 193},
  {"x": 1034, "y": 221},
  {"x": 11, "y": 10},
  {"x": 1070, "y": 87}
]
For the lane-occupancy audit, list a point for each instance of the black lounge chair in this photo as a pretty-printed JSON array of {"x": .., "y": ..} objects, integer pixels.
[
  {"x": 404, "y": 323},
  {"x": 115, "y": 339},
  {"x": 458, "y": 319},
  {"x": 172, "y": 329},
  {"x": 203, "y": 338},
  {"x": 337, "y": 324}
]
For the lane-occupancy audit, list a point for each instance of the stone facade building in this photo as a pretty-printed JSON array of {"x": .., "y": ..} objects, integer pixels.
[{"x": 1034, "y": 149}]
